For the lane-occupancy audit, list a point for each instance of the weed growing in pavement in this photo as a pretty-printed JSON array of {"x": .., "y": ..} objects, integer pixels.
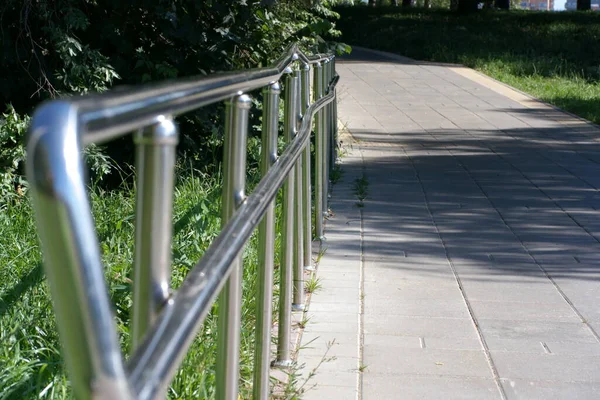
[
  {"x": 313, "y": 284},
  {"x": 361, "y": 190},
  {"x": 299, "y": 385},
  {"x": 336, "y": 174}
]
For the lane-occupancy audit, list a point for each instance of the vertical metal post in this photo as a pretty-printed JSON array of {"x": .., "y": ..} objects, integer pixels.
[
  {"x": 266, "y": 248},
  {"x": 287, "y": 237},
  {"x": 329, "y": 134},
  {"x": 326, "y": 80},
  {"x": 326, "y": 141},
  {"x": 234, "y": 182},
  {"x": 298, "y": 300},
  {"x": 319, "y": 150},
  {"x": 306, "y": 189},
  {"x": 335, "y": 115},
  {"x": 333, "y": 122},
  {"x": 87, "y": 330},
  {"x": 155, "y": 166}
]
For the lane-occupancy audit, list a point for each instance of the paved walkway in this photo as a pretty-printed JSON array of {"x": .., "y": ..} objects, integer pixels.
[{"x": 473, "y": 269}]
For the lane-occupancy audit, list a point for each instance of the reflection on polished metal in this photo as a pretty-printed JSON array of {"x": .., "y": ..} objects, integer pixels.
[
  {"x": 334, "y": 120},
  {"x": 230, "y": 299},
  {"x": 155, "y": 165},
  {"x": 298, "y": 296},
  {"x": 287, "y": 230},
  {"x": 165, "y": 326},
  {"x": 114, "y": 113},
  {"x": 72, "y": 254},
  {"x": 266, "y": 248},
  {"x": 319, "y": 184},
  {"x": 306, "y": 159},
  {"x": 326, "y": 139},
  {"x": 332, "y": 127}
]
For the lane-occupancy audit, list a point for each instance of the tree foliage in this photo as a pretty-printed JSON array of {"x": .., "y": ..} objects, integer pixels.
[{"x": 65, "y": 47}]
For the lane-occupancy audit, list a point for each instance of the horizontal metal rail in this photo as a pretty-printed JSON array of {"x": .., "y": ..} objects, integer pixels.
[
  {"x": 107, "y": 116},
  {"x": 163, "y": 324}
]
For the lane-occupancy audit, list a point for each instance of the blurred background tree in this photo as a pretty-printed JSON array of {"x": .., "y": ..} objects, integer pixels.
[{"x": 67, "y": 47}]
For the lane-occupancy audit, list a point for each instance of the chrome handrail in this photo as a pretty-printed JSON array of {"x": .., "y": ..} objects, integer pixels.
[
  {"x": 164, "y": 324},
  {"x": 109, "y": 115}
]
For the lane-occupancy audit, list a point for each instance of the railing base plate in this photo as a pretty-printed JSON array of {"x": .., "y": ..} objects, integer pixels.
[{"x": 281, "y": 363}]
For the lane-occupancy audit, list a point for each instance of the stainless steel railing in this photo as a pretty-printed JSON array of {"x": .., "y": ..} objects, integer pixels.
[{"x": 164, "y": 322}]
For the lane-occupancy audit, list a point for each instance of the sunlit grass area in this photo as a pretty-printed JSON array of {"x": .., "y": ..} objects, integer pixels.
[{"x": 30, "y": 357}]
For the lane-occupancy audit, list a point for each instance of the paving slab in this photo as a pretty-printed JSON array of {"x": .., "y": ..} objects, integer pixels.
[
  {"x": 428, "y": 387},
  {"x": 548, "y": 367},
  {"x": 472, "y": 268},
  {"x": 435, "y": 362},
  {"x": 522, "y": 389},
  {"x": 320, "y": 392},
  {"x": 419, "y": 342}
]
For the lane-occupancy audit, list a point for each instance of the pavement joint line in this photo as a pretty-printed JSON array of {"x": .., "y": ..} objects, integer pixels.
[
  {"x": 534, "y": 184},
  {"x": 541, "y": 191},
  {"x": 315, "y": 271},
  {"x": 480, "y": 336},
  {"x": 546, "y": 348},
  {"x": 512, "y": 93},
  {"x": 568, "y": 170},
  {"x": 361, "y": 293},
  {"x": 557, "y": 163},
  {"x": 501, "y": 88},
  {"x": 550, "y": 138},
  {"x": 556, "y": 286}
]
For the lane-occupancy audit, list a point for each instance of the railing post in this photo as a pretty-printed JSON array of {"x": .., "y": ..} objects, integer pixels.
[
  {"x": 287, "y": 237},
  {"x": 298, "y": 301},
  {"x": 266, "y": 248},
  {"x": 327, "y": 136},
  {"x": 71, "y": 250},
  {"x": 335, "y": 116},
  {"x": 230, "y": 299},
  {"x": 306, "y": 189},
  {"x": 319, "y": 153},
  {"x": 333, "y": 122},
  {"x": 155, "y": 164}
]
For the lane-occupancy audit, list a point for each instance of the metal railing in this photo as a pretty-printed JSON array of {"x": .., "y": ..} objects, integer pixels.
[{"x": 164, "y": 323}]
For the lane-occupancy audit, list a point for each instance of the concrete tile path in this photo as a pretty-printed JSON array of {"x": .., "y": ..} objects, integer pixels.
[{"x": 473, "y": 269}]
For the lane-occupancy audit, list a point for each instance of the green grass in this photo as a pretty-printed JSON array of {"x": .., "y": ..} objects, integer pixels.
[
  {"x": 30, "y": 361},
  {"x": 313, "y": 284},
  {"x": 361, "y": 190},
  {"x": 552, "y": 56},
  {"x": 336, "y": 174}
]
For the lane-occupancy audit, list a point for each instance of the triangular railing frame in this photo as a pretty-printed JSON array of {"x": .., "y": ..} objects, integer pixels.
[{"x": 165, "y": 322}]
